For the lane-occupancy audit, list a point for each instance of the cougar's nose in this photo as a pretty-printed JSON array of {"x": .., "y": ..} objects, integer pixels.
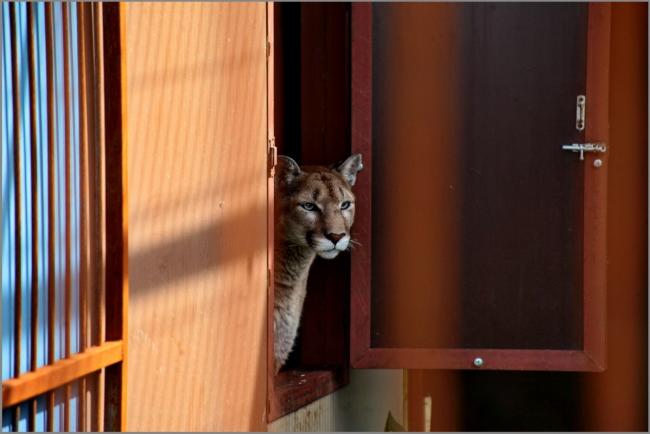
[{"x": 334, "y": 237}]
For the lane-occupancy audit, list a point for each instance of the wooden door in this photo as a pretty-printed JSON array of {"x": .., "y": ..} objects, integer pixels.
[
  {"x": 197, "y": 118},
  {"x": 482, "y": 239}
]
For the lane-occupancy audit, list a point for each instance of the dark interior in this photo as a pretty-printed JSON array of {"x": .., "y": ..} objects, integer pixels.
[{"x": 312, "y": 112}]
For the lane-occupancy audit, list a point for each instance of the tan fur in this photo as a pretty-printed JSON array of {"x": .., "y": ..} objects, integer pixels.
[{"x": 315, "y": 211}]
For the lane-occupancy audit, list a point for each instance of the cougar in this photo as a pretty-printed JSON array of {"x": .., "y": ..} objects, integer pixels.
[{"x": 315, "y": 210}]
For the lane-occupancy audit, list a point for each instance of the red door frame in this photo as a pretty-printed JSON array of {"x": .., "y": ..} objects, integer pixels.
[{"x": 592, "y": 357}]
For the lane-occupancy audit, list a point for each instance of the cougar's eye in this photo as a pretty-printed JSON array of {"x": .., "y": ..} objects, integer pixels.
[
  {"x": 308, "y": 206},
  {"x": 345, "y": 205}
]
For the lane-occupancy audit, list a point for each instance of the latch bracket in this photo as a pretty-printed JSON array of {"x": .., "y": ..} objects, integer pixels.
[{"x": 585, "y": 147}]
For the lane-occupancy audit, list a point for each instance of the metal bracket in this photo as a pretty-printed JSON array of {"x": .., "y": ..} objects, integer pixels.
[
  {"x": 585, "y": 147},
  {"x": 581, "y": 112},
  {"x": 272, "y": 157}
]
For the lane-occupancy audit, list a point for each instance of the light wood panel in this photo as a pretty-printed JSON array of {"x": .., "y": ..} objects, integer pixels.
[{"x": 197, "y": 128}]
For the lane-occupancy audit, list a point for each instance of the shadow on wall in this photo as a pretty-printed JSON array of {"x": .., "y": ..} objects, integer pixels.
[
  {"x": 184, "y": 257},
  {"x": 196, "y": 297}
]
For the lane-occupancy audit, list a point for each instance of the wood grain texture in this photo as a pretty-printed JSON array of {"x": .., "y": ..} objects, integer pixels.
[
  {"x": 62, "y": 372},
  {"x": 197, "y": 119}
]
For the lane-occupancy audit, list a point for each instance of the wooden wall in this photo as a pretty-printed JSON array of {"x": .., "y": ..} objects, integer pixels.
[{"x": 197, "y": 132}]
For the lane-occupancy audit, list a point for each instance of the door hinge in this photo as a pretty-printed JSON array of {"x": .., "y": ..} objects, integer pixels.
[{"x": 272, "y": 157}]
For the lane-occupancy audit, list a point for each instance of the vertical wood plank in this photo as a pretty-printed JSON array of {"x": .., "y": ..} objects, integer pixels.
[
  {"x": 595, "y": 184},
  {"x": 116, "y": 211},
  {"x": 98, "y": 248},
  {"x": 199, "y": 211},
  {"x": 98, "y": 167},
  {"x": 67, "y": 183},
  {"x": 361, "y": 100},
  {"x": 68, "y": 210},
  {"x": 84, "y": 204},
  {"x": 617, "y": 399},
  {"x": 34, "y": 151},
  {"x": 51, "y": 193},
  {"x": 93, "y": 267},
  {"x": 18, "y": 307},
  {"x": 270, "y": 229}
]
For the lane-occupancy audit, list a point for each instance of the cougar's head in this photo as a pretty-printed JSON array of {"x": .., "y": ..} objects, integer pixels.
[{"x": 316, "y": 204}]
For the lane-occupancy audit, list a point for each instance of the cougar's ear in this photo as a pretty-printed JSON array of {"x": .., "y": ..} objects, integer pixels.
[
  {"x": 350, "y": 167},
  {"x": 287, "y": 169}
]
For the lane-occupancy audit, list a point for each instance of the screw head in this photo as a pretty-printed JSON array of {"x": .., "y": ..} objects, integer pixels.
[
  {"x": 478, "y": 362},
  {"x": 598, "y": 162}
]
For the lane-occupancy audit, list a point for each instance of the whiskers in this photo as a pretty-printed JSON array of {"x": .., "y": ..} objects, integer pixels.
[{"x": 353, "y": 245}]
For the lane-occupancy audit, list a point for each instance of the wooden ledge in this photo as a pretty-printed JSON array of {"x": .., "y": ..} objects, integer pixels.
[
  {"x": 296, "y": 388},
  {"x": 34, "y": 383}
]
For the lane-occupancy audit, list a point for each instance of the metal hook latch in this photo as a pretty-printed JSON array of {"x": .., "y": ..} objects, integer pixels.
[
  {"x": 581, "y": 106},
  {"x": 585, "y": 147}
]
